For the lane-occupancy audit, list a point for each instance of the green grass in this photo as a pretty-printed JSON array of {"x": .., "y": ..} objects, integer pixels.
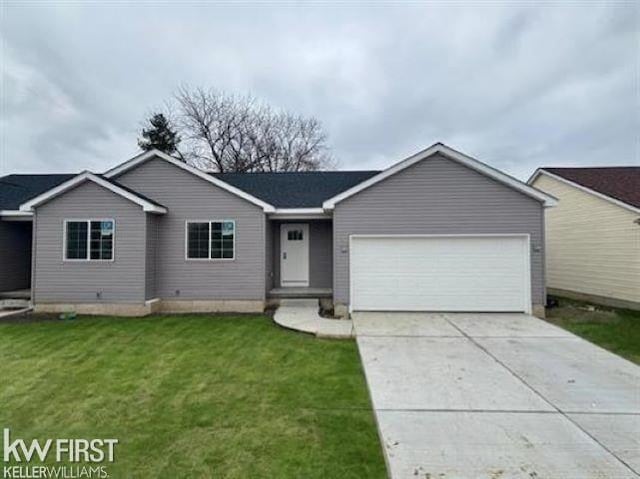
[
  {"x": 617, "y": 330},
  {"x": 193, "y": 396}
]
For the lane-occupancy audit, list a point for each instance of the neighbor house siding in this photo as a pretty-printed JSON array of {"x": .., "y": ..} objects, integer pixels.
[
  {"x": 437, "y": 196},
  {"x": 188, "y": 197},
  {"x": 320, "y": 252},
  {"x": 593, "y": 245},
  {"x": 121, "y": 280},
  {"x": 151, "y": 255},
  {"x": 15, "y": 255}
]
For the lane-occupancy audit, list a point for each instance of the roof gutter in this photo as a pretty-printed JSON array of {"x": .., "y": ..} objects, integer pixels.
[
  {"x": 16, "y": 215},
  {"x": 299, "y": 214}
]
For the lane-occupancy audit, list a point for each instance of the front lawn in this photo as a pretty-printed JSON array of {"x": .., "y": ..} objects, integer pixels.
[
  {"x": 192, "y": 396},
  {"x": 617, "y": 330}
]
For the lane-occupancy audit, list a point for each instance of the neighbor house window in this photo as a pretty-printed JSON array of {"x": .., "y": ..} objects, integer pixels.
[
  {"x": 89, "y": 240},
  {"x": 211, "y": 239}
]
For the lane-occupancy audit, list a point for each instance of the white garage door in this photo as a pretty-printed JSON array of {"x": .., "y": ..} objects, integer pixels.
[{"x": 440, "y": 273}]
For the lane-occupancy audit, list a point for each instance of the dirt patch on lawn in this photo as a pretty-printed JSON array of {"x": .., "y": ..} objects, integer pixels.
[{"x": 578, "y": 312}]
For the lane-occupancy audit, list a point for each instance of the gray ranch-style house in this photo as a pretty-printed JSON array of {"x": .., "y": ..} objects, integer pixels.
[{"x": 438, "y": 231}]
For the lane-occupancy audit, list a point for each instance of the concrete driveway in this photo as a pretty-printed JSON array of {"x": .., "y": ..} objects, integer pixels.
[{"x": 498, "y": 396}]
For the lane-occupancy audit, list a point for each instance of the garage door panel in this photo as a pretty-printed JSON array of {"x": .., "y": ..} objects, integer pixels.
[{"x": 439, "y": 273}]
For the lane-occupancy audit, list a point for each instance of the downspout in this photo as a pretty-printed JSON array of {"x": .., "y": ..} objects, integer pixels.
[{"x": 33, "y": 258}]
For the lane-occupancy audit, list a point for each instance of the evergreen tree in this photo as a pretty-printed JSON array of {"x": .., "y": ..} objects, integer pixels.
[{"x": 159, "y": 135}]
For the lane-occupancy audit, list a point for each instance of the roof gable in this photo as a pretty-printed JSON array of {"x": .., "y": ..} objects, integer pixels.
[
  {"x": 453, "y": 155},
  {"x": 620, "y": 184},
  {"x": 144, "y": 157},
  {"x": 147, "y": 204}
]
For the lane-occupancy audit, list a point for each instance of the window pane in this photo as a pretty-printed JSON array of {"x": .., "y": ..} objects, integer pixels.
[
  {"x": 294, "y": 235},
  {"x": 227, "y": 228},
  {"x": 101, "y": 243},
  {"x": 198, "y": 240},
  {"x": 222, "y": 235},
  {"x": 77, "y": 240}
]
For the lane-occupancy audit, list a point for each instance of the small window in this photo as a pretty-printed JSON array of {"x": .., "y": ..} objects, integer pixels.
[
  {"x": 211, "y": 239},
  {"x": 89, "y": 240},
  {"x": 294, "y": 235}
]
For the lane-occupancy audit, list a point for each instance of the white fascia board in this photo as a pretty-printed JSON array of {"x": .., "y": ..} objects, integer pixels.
[
  {"x": 16, "y": 213},
  {"x": 622, "y": 204},
  {"x": 454, "y": 155},
  {"x": 137, "y": 160},
  {"x": 299, "y": 213},
  {"x": 88, "y": 176},
  {"x": 16, "y": 216}
]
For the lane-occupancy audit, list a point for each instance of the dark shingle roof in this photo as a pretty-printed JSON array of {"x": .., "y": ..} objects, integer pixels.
[
  {"x": 295, "y": 189},
  {"x": 619, "y": 182},
  {"x": 132, "y": 191},
  {"x": 16, "y": 189},
  {"x": 282, "y": 190}
]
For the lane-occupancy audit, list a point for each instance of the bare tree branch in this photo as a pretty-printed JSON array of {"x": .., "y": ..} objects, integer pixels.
[{"x": 224, "y": 132}]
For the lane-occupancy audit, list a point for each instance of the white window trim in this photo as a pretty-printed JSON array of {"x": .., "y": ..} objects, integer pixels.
[
  {"x": 88, "y": 259},
  {"x": 186, "y": 239}
]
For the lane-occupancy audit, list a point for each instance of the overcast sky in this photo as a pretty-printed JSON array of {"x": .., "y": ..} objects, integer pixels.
[{"x": 516, "y": 86}]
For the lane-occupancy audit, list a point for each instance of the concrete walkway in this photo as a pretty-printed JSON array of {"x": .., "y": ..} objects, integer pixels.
[
  {"x": 498, "y": 396},
  {"x": 7, "y": 313},
  {"x": 302, "y": 315}
]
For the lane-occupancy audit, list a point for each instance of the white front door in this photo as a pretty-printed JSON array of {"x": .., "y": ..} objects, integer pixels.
[{"x": 294, "y": 254}]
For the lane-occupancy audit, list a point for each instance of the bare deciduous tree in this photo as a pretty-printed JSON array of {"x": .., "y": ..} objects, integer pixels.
[{"x": 226, "y": 133}]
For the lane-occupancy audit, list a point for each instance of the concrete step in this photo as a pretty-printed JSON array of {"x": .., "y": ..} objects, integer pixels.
[
  {"x": 14, "y": 303},
  {"x": 300, "y": 303}
]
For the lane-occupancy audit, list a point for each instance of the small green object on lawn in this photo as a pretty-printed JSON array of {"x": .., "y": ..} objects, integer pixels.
[{"x": 70, "y": 315}]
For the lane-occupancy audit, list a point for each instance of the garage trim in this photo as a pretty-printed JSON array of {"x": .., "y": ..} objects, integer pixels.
[{"x": 527, "y": 257}]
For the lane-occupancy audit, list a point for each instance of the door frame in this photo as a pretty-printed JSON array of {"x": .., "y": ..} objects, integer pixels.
[
  {"x": 283, "y": 240},
  {"x": 527, "y": 259}
]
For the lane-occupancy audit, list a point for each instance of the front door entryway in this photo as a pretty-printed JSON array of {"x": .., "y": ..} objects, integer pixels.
[{"x": 294, "y": 255}]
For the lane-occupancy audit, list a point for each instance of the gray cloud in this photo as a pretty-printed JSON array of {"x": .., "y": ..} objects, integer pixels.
[{"x": 516, "y": 86}]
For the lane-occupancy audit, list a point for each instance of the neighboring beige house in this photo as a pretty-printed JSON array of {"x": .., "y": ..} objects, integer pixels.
[{"x": 593, "y": 235}]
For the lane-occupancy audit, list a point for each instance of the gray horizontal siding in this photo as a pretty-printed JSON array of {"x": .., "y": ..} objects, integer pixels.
[
  {"x": 188, "y": 197},
  {"x": 320, "y": 253},
  {"x": 269, "y": 256},
  {"x": 121, "y": 280},
  {"x": 437, "y": 196},
  {"x": 15, "y": 255},
  {"x": 151, "y": 256}
]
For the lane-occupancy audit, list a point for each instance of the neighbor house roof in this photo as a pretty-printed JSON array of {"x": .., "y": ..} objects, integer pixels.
[
  {"x": 295, "y": 189},
  {"x": 16, "y": 189},
  {"x": 619, "y": 184}
]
